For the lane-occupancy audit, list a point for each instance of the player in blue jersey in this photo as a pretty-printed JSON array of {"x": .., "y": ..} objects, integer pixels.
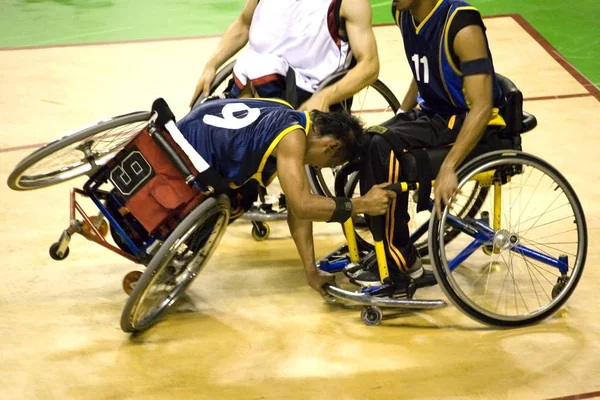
[
  {"x": 453, "y": 99},
  {"x": 255, "y": 139}
]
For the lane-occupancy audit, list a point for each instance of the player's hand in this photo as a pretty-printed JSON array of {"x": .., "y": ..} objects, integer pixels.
[
  {"x": 315, "y": 102},
  {"x": 445, "y": 188},
  {"x": 317, "y": 279},
  {"x": 378, "y": 199},
  {"x": 203, "y": 86}
]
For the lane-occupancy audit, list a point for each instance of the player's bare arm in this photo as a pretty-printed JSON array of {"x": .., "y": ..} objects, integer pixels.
[
  {"x": 357, "y": 17},
  {"x": 232, "y": 41},
  {"x": 410, "y": 98},
  {"x": 469, "y": 45},
  {"x": 302, "y": 202}
]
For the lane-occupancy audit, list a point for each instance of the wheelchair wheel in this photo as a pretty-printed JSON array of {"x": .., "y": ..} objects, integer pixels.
[
  {"x": 467, "y": 205},
  {"x": 522, "y": 267},
  {"x": 173, "y": 268},
  {"x": 219, "y": 84},
  {"x": 77, "y": 153}
]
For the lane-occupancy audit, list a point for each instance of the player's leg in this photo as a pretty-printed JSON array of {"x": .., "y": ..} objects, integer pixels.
[{"x": 404, "y": 131}]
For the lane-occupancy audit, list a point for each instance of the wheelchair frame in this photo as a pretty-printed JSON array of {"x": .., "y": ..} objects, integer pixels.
[
  {"x": 479, "y": 229},
  {"x": 485, "y": 236}
]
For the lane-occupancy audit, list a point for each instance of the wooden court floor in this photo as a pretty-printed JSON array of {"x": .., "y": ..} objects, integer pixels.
[{"x": 250, "y": 327}]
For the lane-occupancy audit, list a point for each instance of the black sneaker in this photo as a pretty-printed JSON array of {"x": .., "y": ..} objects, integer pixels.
[
  {"x": 351, "y": 270},
  {"x": 419, "y": 275}
]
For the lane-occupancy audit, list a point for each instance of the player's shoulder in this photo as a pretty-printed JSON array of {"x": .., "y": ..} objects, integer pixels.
[
  {"x": 355, "y": 8},
  {"x": 292, "y": 143}
]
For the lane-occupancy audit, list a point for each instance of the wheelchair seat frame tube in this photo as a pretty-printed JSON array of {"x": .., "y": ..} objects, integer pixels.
[{"x": 166, "y": 147}]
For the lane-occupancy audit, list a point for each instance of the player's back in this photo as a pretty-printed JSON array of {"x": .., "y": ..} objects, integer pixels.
[{"x": 237, "y": 136}]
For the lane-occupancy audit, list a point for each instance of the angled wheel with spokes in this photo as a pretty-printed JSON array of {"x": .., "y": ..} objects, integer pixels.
[
  {"x": 176, "y": 264},
  {"x": 78, "y": 153},
  {"x": 523, "y": 267}
]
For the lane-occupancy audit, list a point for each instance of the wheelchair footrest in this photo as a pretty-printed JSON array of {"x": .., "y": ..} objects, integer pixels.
[
  {"x": 387, "y": 302},
  {"x": 262, "y": 216}
]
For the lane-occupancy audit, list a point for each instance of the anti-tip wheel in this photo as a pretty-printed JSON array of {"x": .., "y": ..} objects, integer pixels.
[
  {"x": 560, "y": 285},
  {"x": 130, "y": 280},
  {"x": 260, "y": 231},
  {"x": 371, "y": 315},
  {"x": 54, "y": 252}
]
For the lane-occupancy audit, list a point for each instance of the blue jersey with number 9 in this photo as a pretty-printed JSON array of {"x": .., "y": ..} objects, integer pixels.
[{"x": 237, "y": 136}]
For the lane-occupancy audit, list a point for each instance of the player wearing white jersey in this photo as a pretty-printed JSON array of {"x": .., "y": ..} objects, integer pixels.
[{"x": 315, "y": 38}]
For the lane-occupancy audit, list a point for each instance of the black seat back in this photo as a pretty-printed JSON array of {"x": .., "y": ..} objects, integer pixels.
[{"x": 513, "y": 109}]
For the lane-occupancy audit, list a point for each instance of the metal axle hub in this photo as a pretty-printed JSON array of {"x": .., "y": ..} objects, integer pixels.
[{"x": 503, "y": 239}]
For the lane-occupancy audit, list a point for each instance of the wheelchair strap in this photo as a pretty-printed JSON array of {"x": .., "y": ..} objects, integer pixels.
[
  {"x": 207, "y": 175},
  {"x": 425, "y": 175},
  {"x": 424, "y": 169},
  {"x": 164, "y": 112},
  {"x": 291, "y": 93}
]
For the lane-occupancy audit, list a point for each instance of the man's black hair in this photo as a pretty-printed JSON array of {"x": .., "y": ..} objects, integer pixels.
[{"x": 342, "y": 126}]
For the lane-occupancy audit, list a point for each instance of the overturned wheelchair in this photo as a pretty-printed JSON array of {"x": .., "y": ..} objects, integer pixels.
[
  {"x": 508, "y": 251},
  {"x": 160, "y": 208}
]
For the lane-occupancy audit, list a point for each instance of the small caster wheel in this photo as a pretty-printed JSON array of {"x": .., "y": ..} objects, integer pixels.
[
  {"x": 130, "y": 280},
  {"x": 260, "y": 231},
  {"x": 371, "y": 315},
  {"x": 55, "y": 256},
  {"x": 560, "y": 285}
]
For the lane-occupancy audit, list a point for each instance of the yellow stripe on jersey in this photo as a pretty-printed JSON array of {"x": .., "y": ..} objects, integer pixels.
[
  {"x": 440, "y": 67},
  {"x": 418, "y": 28},
  {"x": 446, "y": 32},
  {"x": 306, "y": 128},
  {"x": 275, "y": 100}
]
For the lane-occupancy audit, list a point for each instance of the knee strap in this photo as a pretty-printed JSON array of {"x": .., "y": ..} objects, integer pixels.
[
  {"x": 424, "y": 169},
  {"x": 425, "y": 175},
  {"x": 207, "y": 175},
  {"x": 291, "y": 93}
]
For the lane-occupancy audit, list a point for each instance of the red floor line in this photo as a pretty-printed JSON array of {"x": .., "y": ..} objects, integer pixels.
[
  {"x": 370, "y": 111},
  {"x": 589, "y": 86},
  {"x": 558, "y": 97},
  {"x": 24, "y": 147},
  {"x": 580, "y": 396}
]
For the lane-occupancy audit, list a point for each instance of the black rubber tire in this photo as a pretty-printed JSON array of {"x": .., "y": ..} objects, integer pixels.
[
  {"x": 434, "y": 245},
  {"x": 52, "y": 251},
  {"x": 262, "y": 232},
  {"x": 15, "y": 178},
  {"x": 207, "y": 209}
]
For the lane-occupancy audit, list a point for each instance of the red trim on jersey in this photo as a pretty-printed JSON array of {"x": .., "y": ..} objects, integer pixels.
[
  {"x": 237, "y": 82},
  {"x": 333, "y": 22},
  {"x": 266, "y": 79}
]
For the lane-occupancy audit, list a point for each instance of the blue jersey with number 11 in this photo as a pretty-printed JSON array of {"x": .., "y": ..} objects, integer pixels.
[
  {"x": 237, "y": 136},
  {"x": 439, "y": 80}
]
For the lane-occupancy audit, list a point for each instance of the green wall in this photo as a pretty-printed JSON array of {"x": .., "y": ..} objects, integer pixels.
[{"x": 572, "y": 27}]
